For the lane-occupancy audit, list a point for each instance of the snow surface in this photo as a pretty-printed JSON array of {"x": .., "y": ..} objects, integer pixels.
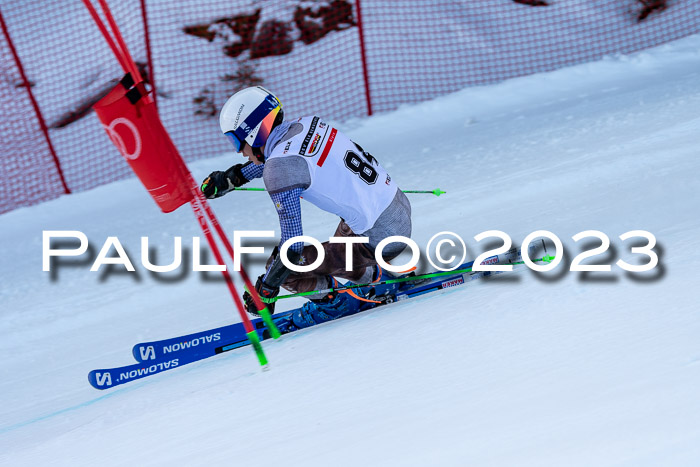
[{"x": 536, "y": 369}]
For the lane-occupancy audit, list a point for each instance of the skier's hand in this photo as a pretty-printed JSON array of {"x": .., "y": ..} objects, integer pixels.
[
  {"x": 219, "y": 183},
  {"x": 265, "y": 291}
]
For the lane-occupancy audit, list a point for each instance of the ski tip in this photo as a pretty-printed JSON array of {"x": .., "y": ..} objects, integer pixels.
[
  {"x": 136, "y": 352},
  {"x": 265, "y": 367},
  {"x": 100, "y": 379}
]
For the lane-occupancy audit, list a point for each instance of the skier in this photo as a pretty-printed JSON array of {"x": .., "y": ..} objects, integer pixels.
[{"x": 308, "y": 158}]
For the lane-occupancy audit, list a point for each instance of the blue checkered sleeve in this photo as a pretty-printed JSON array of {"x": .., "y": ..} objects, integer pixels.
[
  {"x": 252, "y": 171},
  {"x": 288, "y": 207}
]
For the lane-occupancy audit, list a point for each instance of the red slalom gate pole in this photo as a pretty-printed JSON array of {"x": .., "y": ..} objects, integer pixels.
[
  {"x": 262, "y": 307},
  {"x": 120, "y": 41},
  {"x": 197, "y": 202},
  {"x": 35, "y": 104},
  {"x": 250, "y": 331},
  {"x": 202, "y": 201},
  {"x": 149, "y": 56},
  {"x": 108, "y": 37},
  {"x": 363, "y": 56}
]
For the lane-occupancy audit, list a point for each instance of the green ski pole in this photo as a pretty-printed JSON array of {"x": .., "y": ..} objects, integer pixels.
[
  {"x": 546, "y": 259},
  {"x": 267, "y": 319},
  {"x": 436, "y": 191}
]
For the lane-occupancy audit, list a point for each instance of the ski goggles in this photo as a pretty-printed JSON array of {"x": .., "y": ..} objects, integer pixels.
[{"x": 237, "y": 143}]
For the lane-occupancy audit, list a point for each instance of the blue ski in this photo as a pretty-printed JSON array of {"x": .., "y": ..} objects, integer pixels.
[{"x": 158, "y": 356}]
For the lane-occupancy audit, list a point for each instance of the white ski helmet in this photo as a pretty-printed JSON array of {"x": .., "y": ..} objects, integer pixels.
[{"x": 249, "y": 116}]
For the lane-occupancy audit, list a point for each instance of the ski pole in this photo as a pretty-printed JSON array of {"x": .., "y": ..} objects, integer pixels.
[
  {"x": 545, "y": 259},
  {"x": 436, "y": 191}
]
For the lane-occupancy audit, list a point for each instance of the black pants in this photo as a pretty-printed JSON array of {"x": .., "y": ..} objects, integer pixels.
[{"x": 334, "y": 262}]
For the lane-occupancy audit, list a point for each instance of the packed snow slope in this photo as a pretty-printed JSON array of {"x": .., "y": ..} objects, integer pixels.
[{"x": 558, "y": 368}]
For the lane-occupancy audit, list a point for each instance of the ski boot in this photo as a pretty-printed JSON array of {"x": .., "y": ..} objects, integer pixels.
[
  {"x": 333, "y": 306},
  {"x": 316, "y": 311},
  {"x": 384, "y": 293},
  {"x": 349, "y": 301},
  {"x": 345, "y": 303}
]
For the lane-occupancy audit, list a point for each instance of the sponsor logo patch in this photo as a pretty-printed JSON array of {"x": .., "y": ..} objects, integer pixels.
[
  {"x": 178, "y": 346},
  {"x": 452, "y": 283},
  {"x": 309, "y": 135},
  {"x": 155, "y": 368},
  {"x": 314, "y": 142}
]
